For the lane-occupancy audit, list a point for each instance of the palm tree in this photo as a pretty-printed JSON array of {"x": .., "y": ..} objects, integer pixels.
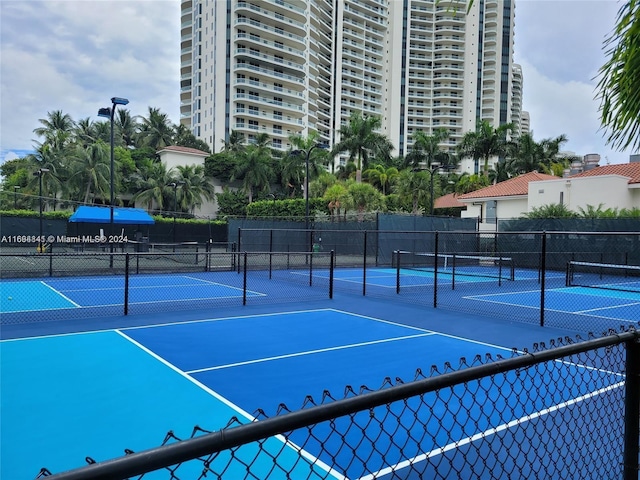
[
  {"x": 156, "y": 130},
  {"x": 235, "y": 143},
  {"x": 254, "y": 169},
  {"x": 360, "y": 139},
  {"x": 380, "y": 176},
  {"x": 618, "y": 85},
  {"x": 85, "y": 132},
  {"x": 126, "y": 128},
  {"x": 92, "y": 170},
  {"x": 194, "y": 187},
  {"x": 485, "y": 142},
  {"x": 414, "y": 186},
  {"x": 152, "y": 180},
  {"x": 426, "y": 148},
  {"x": 55, "y": 122}
]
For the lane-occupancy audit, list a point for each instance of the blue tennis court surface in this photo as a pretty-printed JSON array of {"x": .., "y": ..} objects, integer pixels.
[
  {"x": 58, "y": 293},
  {"x": 100, "y": 392},
  {"x": 620, "y": 306}
]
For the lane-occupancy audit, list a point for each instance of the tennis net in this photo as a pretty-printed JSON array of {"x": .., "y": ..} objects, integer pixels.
[
  {"x": 603, "y": 275},
  {"x": 458, "y": 264}
]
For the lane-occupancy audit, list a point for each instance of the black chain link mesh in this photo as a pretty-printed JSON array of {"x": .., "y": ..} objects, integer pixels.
[{"x": 557, "y": 411}]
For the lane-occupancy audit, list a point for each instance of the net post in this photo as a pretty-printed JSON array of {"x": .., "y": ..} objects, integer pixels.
[
  {"x": 310, "y": 256},
  {"x": 567, "y": 278},
  {"x": 126, "y": 283},
  {"x": 500, "y": 271},
  {"x": 397, "y": 253},
  {"x": 331, "y": 267},
  {"x": 244, "y": 279},
  {"x": 453, "y": 271},
  {"x": 364, "y": 266},
  {"x": 51, "y": 260},
  {"x": 270, "y": 263},
  {"x": 631, "y": 468}
]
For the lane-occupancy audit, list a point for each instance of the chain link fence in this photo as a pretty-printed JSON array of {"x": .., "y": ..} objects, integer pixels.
[{"x": 566, "y": 410}]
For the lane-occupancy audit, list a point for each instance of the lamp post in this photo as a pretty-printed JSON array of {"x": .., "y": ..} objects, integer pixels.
[
  {"x": 109, "y": 112},
  {"x": 38, "y": 173},
  {"x": 306, "y": 178},
  {"x": 15, "y": 196}
]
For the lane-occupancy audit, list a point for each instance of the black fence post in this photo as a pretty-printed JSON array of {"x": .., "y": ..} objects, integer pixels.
[
  {"x": 50, "y": 262},
  {"x": 397, "y": 253},
  {"x": 244, "y": 280},
  {"x": 632, "y": 410},
  {"x": 331, "y": 266},
  {"x": 435, "y": 271},
  {"x": 543, "y": 269},
  {"x": 364, "y": 266},
  {"x": 126, "y": 283},
  {"x": 238, "y": 248}
]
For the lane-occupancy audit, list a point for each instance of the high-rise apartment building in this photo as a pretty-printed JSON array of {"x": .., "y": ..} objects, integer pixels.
[{"x": 285, "y": 67}]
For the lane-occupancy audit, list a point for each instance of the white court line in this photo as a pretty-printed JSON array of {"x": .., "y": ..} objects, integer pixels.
[
  {"x": 314, "y": 461},
  {"x": 24, "y": 260},
  {"x": 61, "y": 294},
  {"x": 486, "y": 433},
  {"x": 308, "y": 352}
]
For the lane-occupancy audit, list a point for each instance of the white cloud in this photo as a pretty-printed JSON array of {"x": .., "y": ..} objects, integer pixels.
[
  {"x": 560, "y": 47},
  {"x": 75, "y": 55}
]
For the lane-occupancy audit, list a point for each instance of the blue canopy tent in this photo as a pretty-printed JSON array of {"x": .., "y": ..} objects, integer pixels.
[{"x": 129, "y": 216}]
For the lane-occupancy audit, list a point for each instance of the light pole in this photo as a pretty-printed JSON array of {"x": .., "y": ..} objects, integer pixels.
[
  {"x": 306, "y": 178},
  {"x": 15, "y": 196},
  {"x": 109, "y": 112},
  {"x": 38, "y": 173}
]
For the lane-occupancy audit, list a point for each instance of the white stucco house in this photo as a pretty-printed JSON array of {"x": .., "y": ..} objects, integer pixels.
[
  {"x": 609, "y": 186},
  {"x": 173, "y": 156}
]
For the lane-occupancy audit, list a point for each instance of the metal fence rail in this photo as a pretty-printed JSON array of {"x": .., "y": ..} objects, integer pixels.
[{"x": 570, "y": 411}]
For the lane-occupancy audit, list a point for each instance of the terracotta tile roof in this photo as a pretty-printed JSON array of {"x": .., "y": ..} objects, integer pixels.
[
  {"x": 631, "y": 170},
  {"x": 176, "y": 148},
  {"x": 448, "y": 201},
  {"x": 514, "y": 186}
]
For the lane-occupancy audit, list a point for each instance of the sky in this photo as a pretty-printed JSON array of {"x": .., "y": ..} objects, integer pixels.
[{"x": 74, "y": 55}]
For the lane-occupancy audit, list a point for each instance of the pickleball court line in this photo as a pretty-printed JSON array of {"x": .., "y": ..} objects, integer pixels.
[
  {"x": 314, "y": 461},
  {"x": 308, "y": 352},
  {"x": 487, "y": 433},
  {"x": 58, "y": 292}
]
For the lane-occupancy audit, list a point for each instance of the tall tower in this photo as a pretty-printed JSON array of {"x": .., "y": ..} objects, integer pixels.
[{"x": 284, "y": 67}]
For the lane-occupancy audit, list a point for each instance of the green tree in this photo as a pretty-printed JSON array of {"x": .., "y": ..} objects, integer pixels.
[
  {"x": 553, "y": 210},
  {"x": 485, "y": 142},
  {"x": 414, "y": 187},
  {"x": 426, "y": 149},
  {"x": 381, "y": 177},
  {"x": 232, "y": 203},
  {"x": 470, "y": 183},
  {"x": 156, "y": 130},
  {"x": 618, "y": 85},
  {"x": 92, "y": 169},
  {"x": 152, "y": 184},
  {"x": 361, "y": 141},
  {"x": 365, "y": 198},
  {"x": 254, "y": 169},
  {"x": 194, "y": 187}
]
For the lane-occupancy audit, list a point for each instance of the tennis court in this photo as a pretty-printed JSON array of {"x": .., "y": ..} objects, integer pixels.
[
  {"x": 97, "y": 393},
  {"x": 90, "y": 292}
]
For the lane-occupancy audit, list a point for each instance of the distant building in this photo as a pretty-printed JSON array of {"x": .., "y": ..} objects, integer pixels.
[
  {"x": 610, "y": 186},
  {"x": 290, "y": 67}
]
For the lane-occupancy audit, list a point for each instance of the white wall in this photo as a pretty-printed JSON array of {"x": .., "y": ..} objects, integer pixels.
[{"x": 612, "y": 191}]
